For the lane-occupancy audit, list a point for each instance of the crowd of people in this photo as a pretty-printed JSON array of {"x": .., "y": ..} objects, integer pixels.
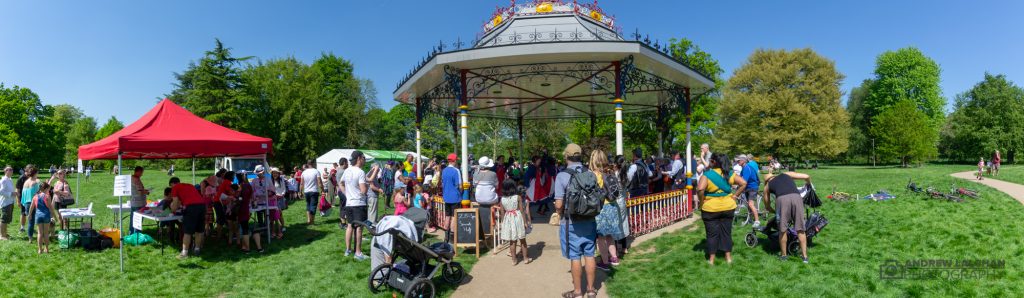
[{"x": 506, "y": 191}]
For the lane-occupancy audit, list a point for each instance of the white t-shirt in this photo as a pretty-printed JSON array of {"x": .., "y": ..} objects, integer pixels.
[
  {"x": 6, "y": 191},
  {"x": 309, "y": 179},
  {"x": 353, "y": 177}
]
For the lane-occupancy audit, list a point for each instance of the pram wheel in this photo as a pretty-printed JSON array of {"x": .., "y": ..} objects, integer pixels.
[
  {"x": 794, "y": 247},
  {"x": 751, "y": 239},
  {"x": 379, "y": 278},
  {"x": 453, "y": 273},
  {"x": 422, "y": 288}
]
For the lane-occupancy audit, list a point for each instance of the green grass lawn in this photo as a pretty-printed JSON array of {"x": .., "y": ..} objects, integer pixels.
[
  {"x": 1010, "y": 173},
  {"x": 309, "y": 262},
  {"x": 847, "y": 255}
]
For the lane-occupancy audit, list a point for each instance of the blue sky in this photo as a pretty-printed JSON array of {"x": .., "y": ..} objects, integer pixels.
[{"x": 118, "y": 57}]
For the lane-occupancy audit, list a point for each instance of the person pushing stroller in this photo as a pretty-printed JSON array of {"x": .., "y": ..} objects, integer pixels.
[{"x": 789, "y": 207}]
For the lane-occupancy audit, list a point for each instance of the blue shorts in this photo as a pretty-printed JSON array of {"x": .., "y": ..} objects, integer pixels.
[
  {"x": 579, "y": 242},
  {"x": 312, "y": 200},
  {"x": 42, "y": 218}
]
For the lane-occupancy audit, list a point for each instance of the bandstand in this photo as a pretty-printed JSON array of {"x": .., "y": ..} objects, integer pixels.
[{"x": 550, "y": 60}]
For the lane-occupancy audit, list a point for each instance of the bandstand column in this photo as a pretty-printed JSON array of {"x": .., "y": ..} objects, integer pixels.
[
  {"x": 464, "y": 125},
  {"x": 618, "y": 108},
  {"x": 419, "y": 152},
  {"x": 689, "y": 146}
]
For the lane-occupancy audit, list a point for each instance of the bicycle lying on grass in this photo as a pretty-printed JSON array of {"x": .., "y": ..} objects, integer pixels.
[
  {"x": 840, "y": 196},
  {"x": 963, "y": 192},
  {"x": 935, "y": 194}
]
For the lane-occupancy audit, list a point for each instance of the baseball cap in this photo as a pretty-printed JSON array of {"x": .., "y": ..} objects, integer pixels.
[
  {"x": 572, "y": 150},
  {"x": 452, "y": 157}
]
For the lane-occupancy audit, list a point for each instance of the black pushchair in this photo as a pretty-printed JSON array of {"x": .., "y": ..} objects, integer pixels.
[
  {"x": 411, "y": 270},
  {"x": 813, "y": 224}
]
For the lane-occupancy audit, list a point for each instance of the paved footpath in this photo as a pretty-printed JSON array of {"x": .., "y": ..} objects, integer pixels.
[
  {"x": 548, "y": 274},
  {"x": 1014, "y": 190}
]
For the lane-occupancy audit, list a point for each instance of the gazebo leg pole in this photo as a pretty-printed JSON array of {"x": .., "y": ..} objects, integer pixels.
[
  {"x": 193, "y": 170},
  {"x": 120, "y": 217},
  {"x": 618, "y": 107},
  {"x": 618, "y": 126},
  {"x": 419, "y": 155},
  {"x": 689, "y": 145},
  {"x": 465, "y": 149}
]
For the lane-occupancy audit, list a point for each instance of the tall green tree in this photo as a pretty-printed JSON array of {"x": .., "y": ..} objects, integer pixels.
[
  {"x": 785, "y": 103},
  {"x": 988, "y": 117},
  {"x": 81, "y": 132},
  {"x": 28, "y": 132},
  {"x": 899, "y": 133},
  {"x": 906, "y": 75},
  {"x": 211, "y": 87}
]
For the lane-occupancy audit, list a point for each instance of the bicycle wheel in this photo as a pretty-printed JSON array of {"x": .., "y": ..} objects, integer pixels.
[{"x": 742, "y": 214}]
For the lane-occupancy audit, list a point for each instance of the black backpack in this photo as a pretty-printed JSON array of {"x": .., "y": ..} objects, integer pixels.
[
  {"x": 641, "y": 178},
  {"x": 583, "y": 196}
]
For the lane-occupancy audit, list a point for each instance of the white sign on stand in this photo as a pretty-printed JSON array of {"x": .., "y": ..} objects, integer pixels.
[
  {"x": 137, "y": 222},
  {"x": 80, "y": 167},
  {"x": 122, "y": 185}
]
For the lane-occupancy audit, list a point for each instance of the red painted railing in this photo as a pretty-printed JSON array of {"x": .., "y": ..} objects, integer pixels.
[{"x": 654, "y": 211}]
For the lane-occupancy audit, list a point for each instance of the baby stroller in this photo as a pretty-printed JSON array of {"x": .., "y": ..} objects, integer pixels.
[
  {"x": 813, "y": 224},
  {"x": 412, "y": 270}
]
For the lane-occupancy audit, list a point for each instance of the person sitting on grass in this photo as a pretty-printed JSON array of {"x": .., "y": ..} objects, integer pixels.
[
  {"x": 193, "y": 217},
  {"x": 789, "y": 207},
  {"x": 42, "y": 207}
]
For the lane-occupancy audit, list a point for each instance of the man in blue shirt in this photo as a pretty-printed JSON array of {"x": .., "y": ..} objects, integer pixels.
[
  {"x": 451, "y": 192},
  {"x": 750, "y": 174}
]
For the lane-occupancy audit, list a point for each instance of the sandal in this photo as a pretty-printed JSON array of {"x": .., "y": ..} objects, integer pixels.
[
  {"x": 592, "y": 294},
  {"x": 571, "y": 294}
]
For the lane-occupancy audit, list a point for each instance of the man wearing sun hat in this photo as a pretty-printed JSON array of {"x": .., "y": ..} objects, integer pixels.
[{"x": 451, "y": 191}]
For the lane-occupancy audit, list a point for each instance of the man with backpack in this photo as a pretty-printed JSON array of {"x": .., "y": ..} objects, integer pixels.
[
  {"x": 578, "y": 200},
  {"x": 638, "y": 174}
]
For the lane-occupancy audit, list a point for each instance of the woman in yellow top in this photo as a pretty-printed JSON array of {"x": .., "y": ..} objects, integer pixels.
[{"x": 718, "y": 205}]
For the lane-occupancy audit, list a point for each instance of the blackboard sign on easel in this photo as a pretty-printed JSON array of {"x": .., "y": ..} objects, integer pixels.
[{"x": 467, "y": 229}]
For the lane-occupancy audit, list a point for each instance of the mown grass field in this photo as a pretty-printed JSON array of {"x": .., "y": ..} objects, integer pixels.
[
  {"x": 846, "y": 258},
  {"x": 1008, "y": 173},
  {"x": 308, "y": 262}
]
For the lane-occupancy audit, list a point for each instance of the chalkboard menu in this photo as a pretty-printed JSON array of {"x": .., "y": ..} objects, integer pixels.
[{"x": 467, "y": 229}]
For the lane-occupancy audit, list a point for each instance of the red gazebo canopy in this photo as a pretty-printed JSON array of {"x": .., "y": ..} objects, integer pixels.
[{"x": 170, "y": 131}]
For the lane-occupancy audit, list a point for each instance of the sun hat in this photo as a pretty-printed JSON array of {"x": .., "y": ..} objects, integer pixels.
[
  {"x": 259, "y": 169},
  {"x": 486, "y": 162}
]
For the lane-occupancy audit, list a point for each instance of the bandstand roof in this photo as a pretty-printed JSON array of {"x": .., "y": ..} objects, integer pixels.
[{"x": 550, "y": 60}]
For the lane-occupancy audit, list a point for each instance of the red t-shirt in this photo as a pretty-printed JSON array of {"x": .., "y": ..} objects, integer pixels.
[
  {"x": 187, "y": 194},
  {"x": 223, "y": 188}
]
